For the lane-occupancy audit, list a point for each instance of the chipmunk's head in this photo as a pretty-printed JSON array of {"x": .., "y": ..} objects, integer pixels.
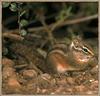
[{"x": 81, "y": 52}]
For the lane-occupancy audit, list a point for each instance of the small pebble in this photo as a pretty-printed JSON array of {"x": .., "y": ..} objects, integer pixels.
[
  {"x": 81, "y": 88},
  {"x": 29, "y": 73},
  {"x": 46, "y": 76},
  {"x": 13, "y": 83},
  {"x": 91, "y": 80},
  {"x": 70, "y": 80},
  {"x": 8, "y": 72},
  {"x": 7, "y": 62}
]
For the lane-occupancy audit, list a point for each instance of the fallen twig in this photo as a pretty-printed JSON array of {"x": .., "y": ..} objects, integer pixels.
[
  {"x": 12, "y": 36},
  {"x": 67, "y": 22}
]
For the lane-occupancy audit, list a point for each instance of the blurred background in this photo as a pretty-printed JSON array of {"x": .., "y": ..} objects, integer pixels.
[{"x": 53, "y": 22}]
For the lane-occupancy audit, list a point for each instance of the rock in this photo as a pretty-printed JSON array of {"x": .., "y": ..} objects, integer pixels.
[
  {"x": 29, "y": 73},
  {"x": 7, "y": 62},
  {"x": 13, "y": 83},
  {"x": 70, "y": 80},
  {"x": 8, "y": 72}
]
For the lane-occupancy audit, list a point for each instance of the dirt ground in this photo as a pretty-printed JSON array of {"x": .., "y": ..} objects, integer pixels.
[{"x": 21, "y": 76}]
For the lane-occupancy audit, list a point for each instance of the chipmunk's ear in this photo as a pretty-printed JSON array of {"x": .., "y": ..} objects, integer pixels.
[{"x": 77, "y": 38}]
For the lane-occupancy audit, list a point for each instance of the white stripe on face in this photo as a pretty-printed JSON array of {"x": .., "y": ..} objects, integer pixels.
[{"x": 73, "y": 46}]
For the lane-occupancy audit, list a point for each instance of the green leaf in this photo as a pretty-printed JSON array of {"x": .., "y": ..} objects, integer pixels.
[
  {"x": 13, "y": 7},
  {"x": 5, "y": 51},
  {"x": 69, "y": 11},
  {"x": 64, "y": 13},
  {"x": 23, "y": 32},
  {"x": 23, "y": 23},
  {"x": 5, "y": 4}
]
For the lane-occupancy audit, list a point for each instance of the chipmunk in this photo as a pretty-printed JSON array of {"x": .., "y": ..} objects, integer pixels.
[{"x": 76, "y": 56}]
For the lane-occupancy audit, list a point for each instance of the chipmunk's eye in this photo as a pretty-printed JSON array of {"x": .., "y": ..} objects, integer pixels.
[{"x": 85, "y": 49}]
